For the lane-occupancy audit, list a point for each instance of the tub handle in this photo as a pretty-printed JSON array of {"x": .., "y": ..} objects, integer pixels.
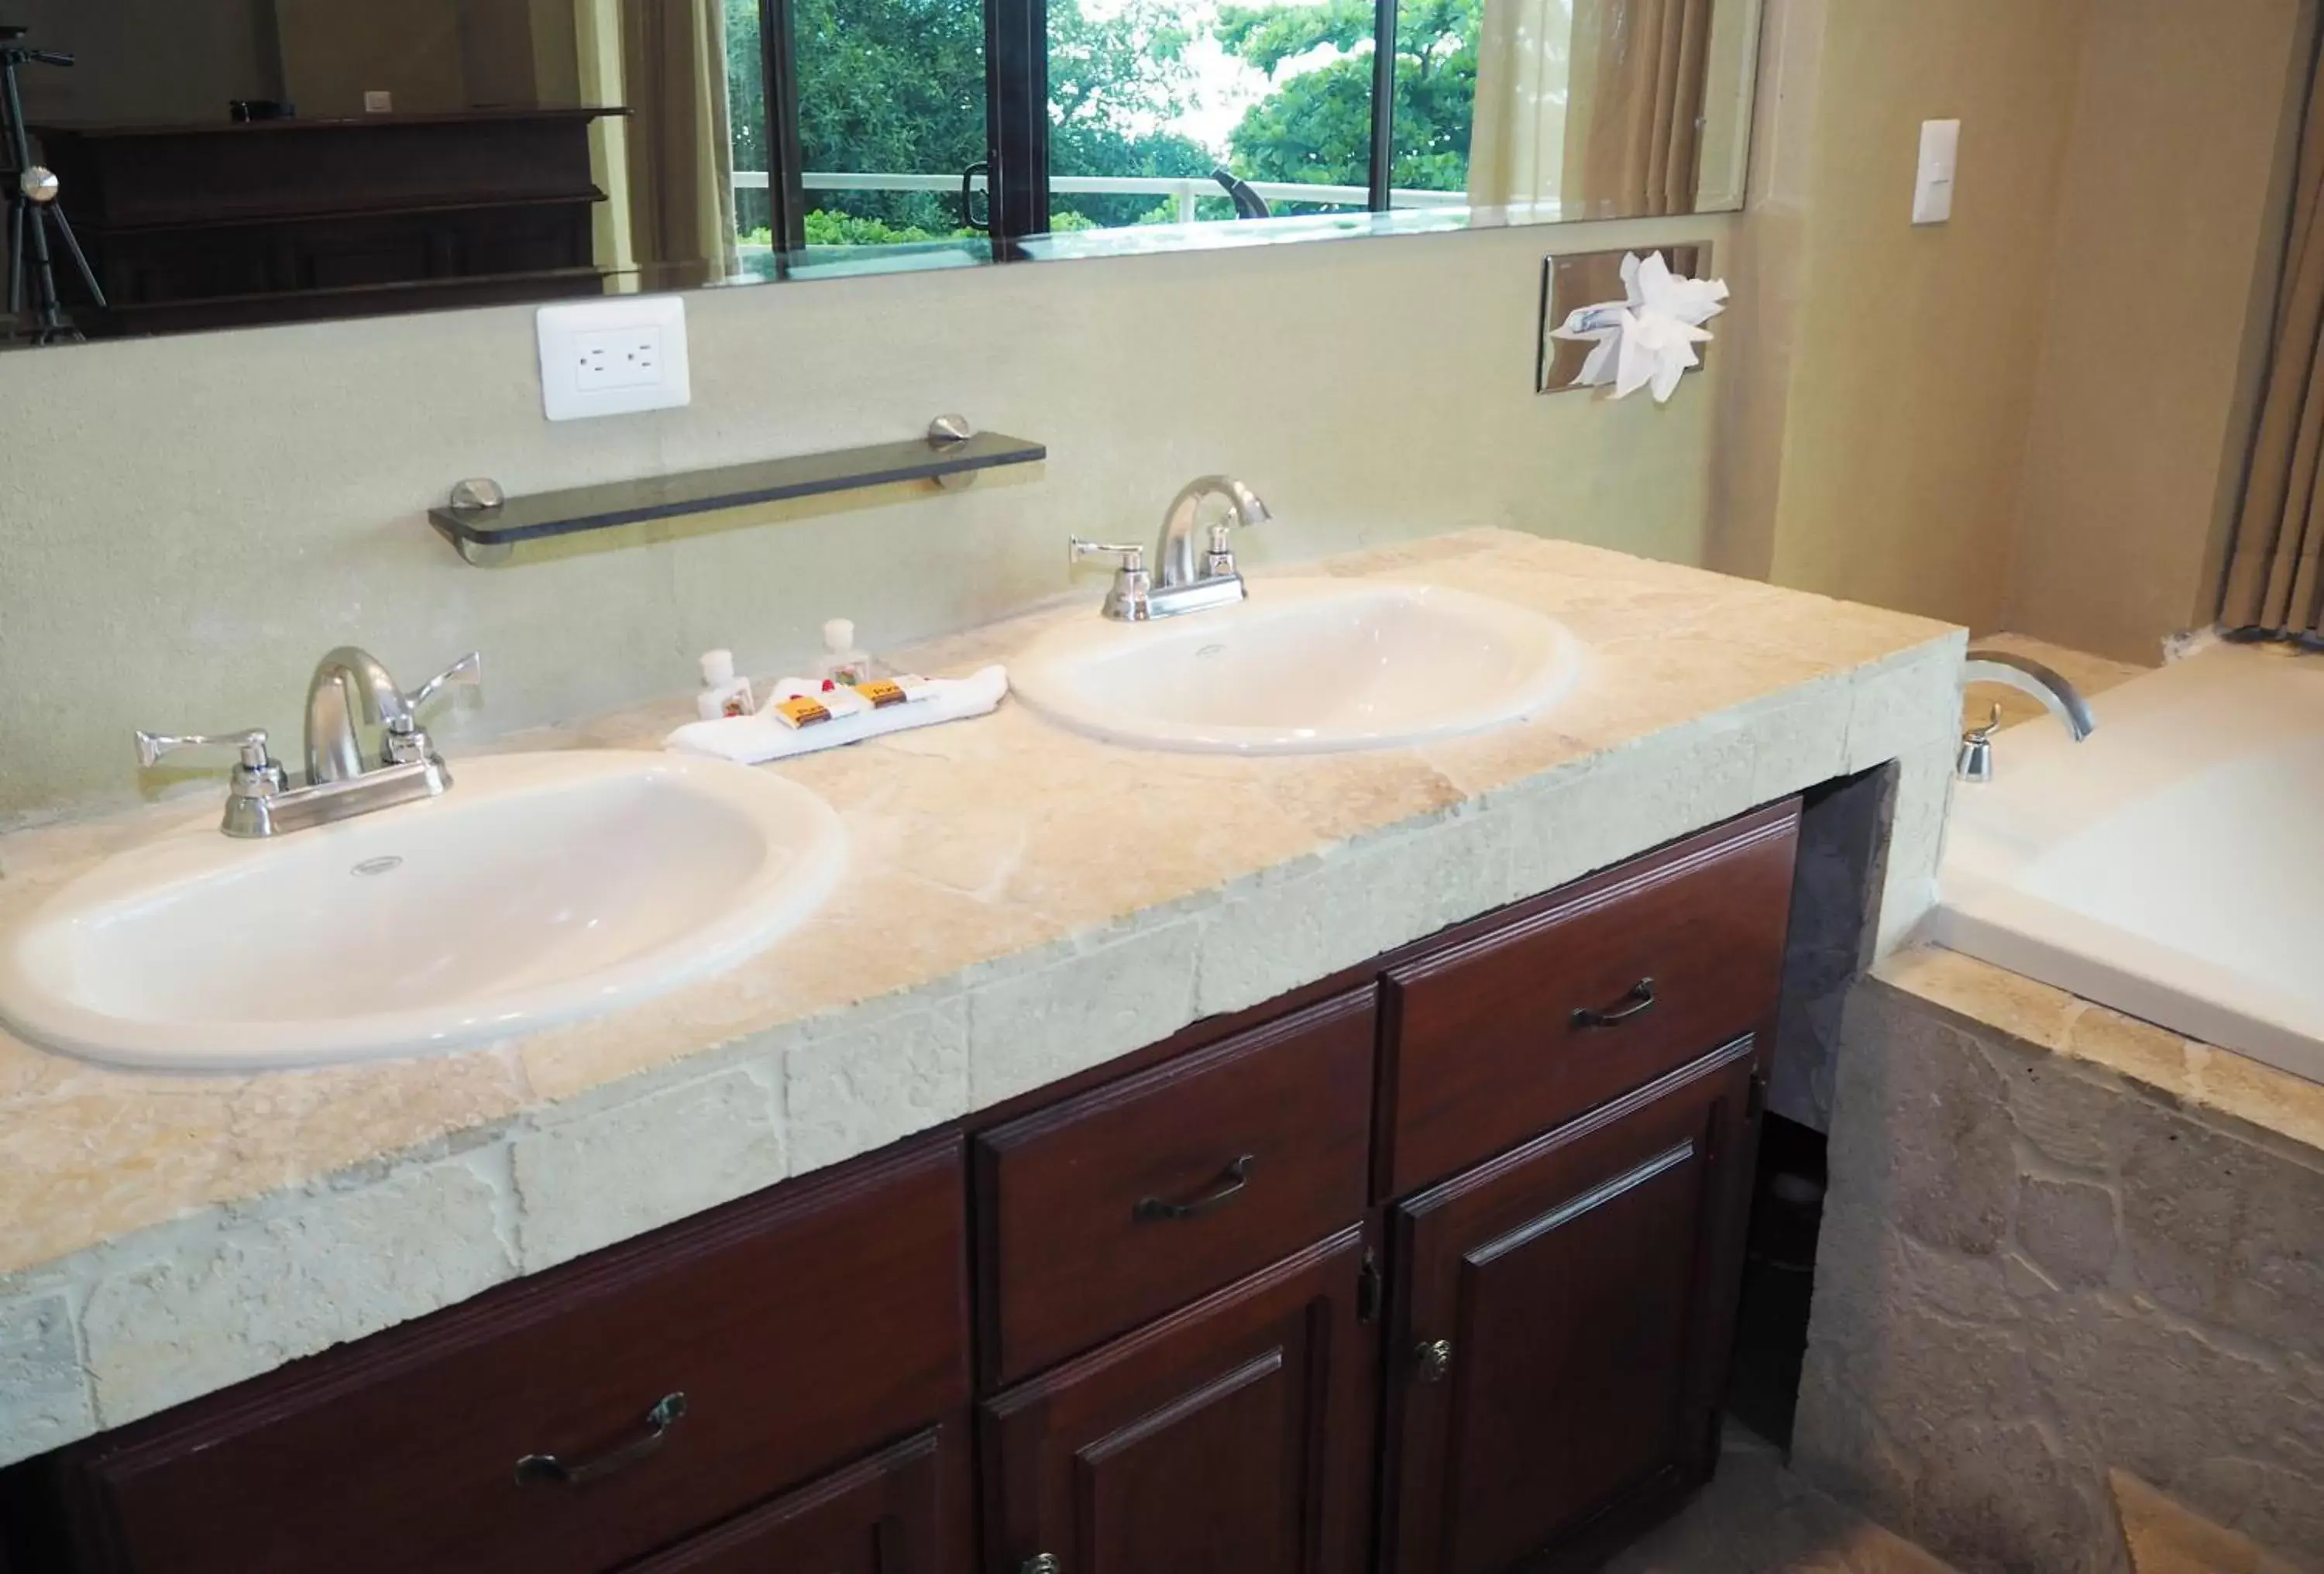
[{"x": 1636, "y": 1003}]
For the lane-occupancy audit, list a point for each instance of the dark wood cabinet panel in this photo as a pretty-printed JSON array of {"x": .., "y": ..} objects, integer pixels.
[
  {"x": 801, "y": 1328},
  {"x": 1235, "y": 1436},
  {"x": 1561, "y": 1325},
  {"x": 1499, "y": 1037},
  {"x": 1110, "y": 1209},
  {"x": 905, "y": 1510}
]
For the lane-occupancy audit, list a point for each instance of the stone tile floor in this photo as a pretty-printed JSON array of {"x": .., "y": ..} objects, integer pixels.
[{"x": 1756, "y": 1517}]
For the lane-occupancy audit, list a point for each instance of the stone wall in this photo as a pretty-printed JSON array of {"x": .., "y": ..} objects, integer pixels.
[{"x": 2035, "y": 1267}]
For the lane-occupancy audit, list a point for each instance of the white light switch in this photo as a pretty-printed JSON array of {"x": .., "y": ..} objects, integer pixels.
[
  {"x": 613, "y": 356},
  {"x": 1932, "y": 186}
]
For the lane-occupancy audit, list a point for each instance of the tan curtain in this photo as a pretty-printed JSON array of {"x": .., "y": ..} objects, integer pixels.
[
  {"x": 2272, "y": 582},
  {"x": 1517, "y": 139},
  {"x": 681, "y": 158},
  {"x": 1635, "y": 122}
]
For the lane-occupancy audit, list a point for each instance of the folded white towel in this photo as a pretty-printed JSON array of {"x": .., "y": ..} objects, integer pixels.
[{"x": 753, "y": 739}]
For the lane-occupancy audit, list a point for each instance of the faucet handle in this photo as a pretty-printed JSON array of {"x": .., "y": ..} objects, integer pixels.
[
  {"x": 406, "y": 743},
  {"x": 153, "y": 746},
  {"x": 256, "y": 774},
  {"x": 1129, "y": 599},
  {"x": 1133, "y": 559},
  {"x": 468, "y": 672}
]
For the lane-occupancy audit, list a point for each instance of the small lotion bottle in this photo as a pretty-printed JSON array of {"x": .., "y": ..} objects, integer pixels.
[
  {"x": 841, "y": 662},
  {"x": 723, "y": 693}
]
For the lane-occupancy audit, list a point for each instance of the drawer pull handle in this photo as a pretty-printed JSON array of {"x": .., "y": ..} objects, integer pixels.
[
  {"x": 548, "y": 1470},
  {"x": 1637, "y": 1002},
  {"x": 1238, "y": 1176}
]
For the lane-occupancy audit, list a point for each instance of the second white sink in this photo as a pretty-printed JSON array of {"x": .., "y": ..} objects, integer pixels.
[
  {"x": 1304, "y": 666},
  {"x": 541, "y": 889}
]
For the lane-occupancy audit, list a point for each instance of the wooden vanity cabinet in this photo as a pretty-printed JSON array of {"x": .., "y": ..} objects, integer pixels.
[
  {"x": 1432, "y": 1272},
  {"x": 1105, "y": 1210},
  {"x": 1233, "y": 1436},
  {"x": 903, "y": 1511},
  {"x": 1560, "y": 1327},
  {"x": 585, "y": 1416}
]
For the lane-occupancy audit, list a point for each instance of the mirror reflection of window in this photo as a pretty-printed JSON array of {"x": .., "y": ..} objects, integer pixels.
[{"x": 1165, "y": 113}]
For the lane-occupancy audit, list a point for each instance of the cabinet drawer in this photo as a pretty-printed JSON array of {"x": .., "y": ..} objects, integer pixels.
[
  {"x": 1115, "y": 1207},
  {"x": 1637, "y": 971},
  {"x": 802, "y": 1327}
]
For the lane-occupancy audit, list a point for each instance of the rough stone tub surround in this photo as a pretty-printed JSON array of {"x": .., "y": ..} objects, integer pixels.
[
  {"x": 1022, "y": 905},
  {"x": 2060, "y": 1242}
]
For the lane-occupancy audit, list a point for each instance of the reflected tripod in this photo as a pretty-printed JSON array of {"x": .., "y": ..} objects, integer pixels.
[{"x": 33, "y": 208}]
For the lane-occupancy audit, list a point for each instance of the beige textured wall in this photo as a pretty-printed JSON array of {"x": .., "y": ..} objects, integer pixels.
[
  {"x": 2170, "y": 218},
  {"x": 1912, "y": 352},
  {"x": 186, "y": 524},
  {"x": 2033, "y": 415}
]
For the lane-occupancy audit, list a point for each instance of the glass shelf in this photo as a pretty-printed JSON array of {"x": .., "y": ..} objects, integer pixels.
[{"x": 485, "y": 532}]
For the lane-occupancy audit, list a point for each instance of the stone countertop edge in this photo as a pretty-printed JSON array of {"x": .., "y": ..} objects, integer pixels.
[
  {"x": 1988, "y": 1000},
  {"x": 174, "y": 1236}
]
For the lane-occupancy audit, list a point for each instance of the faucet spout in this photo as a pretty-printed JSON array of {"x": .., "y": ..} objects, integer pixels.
[
  {"x": 1174, "y": 562},
  {"x": 352, "y": 705},
  {"x": 2059, "y": 696}
]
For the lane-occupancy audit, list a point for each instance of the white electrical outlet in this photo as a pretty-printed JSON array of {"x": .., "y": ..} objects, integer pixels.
[{"x": 613, "y": 356}]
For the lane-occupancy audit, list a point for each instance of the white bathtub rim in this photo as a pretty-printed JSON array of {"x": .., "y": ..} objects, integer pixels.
[{"x": 2180, "y": 993}]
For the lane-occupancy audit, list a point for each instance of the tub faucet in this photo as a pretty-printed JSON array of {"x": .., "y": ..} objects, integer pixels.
[
  {"x": 1182, "y": 580},
  {"x": 2060, "y": 698}
]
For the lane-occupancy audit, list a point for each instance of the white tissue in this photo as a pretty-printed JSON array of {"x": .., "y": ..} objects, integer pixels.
[
  {"x": 754, "y": 740},
  {"x": 1648, "y": 340}
]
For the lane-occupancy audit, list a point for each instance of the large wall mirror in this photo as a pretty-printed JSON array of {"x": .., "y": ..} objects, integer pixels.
[{"x": 221, "y": 162}]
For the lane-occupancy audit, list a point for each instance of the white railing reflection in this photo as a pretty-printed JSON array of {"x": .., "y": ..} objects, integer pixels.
[{"x": 1183, "y": 191}]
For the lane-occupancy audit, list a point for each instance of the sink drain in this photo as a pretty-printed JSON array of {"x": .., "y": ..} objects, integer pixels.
[{"x": 377, "y": 865}]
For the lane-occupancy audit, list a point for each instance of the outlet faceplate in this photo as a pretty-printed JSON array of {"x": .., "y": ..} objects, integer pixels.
[{"x": 612, "y": 357}]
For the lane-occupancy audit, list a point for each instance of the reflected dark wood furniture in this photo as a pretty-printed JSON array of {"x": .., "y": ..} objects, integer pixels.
[
  {"x": 1429, "y": 1267},
  {"x": 227, "y": 224}
]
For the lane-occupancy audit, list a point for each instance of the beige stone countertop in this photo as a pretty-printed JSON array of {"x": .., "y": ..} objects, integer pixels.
[{"x": 1021, "y": 903}]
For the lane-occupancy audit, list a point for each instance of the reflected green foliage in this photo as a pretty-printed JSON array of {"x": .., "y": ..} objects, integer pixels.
[
  {"x": 898, "y": 86},
  {"x": 1316, "y": 125}
]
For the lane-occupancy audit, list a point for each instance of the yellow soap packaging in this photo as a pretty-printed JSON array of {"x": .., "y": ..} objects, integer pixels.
[{"x": 800, "y": 702}]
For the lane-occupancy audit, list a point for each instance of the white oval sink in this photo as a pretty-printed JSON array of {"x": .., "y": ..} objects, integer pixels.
[
  {"x": 1304, "y": 666},
  {"x": 541, "y": 889}
]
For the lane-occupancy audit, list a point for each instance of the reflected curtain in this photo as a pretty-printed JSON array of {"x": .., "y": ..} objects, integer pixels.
[
  {"x": 1517, "y": 141},
  {"x": 2272, "y": 585},
  {"x": 1633, "y": 124},
  {"x": 681, "y": 157}
]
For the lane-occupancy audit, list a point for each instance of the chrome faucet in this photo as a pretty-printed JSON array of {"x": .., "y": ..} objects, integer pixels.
[
  {"x": 1183, "y": 580},
  {"x": 365, "y": 749},
  {"x": 2059, "y": 697}
]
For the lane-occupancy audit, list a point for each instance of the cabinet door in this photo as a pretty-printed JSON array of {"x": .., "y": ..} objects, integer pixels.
[
  {"x": 1563, "y": 1324},
  {"x": 902, "y": 1510},
  {"x": 1233, "y": 1436}
]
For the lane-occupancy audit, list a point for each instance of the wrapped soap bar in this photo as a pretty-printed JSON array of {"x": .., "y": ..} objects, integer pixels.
[
  {"x": 799, "y": 711},
  {"x": 902, "y": 689}
]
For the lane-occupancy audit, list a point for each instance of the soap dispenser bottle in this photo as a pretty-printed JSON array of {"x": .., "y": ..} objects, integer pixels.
[
  {"x": 841, "y": 663},
  {"x": 723, "y": 693}
]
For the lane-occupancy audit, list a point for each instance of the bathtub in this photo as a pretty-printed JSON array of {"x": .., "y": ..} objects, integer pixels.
[{"x": 2172, "y": 865}]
